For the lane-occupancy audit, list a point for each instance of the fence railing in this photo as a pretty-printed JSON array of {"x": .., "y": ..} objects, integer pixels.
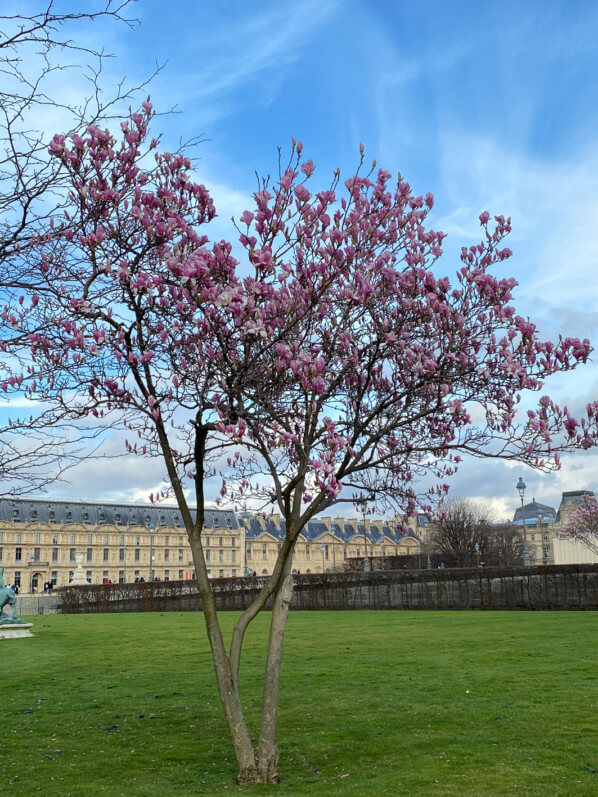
[{"x": 546, "y": 587}]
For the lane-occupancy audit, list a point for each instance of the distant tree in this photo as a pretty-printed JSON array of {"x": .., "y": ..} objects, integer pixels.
[
  {"x": 334, "y": 367},
  {"x": 505, "y": 547},
  {"x": 463, "y": 533},
  {"x": 583, "y": 524}
]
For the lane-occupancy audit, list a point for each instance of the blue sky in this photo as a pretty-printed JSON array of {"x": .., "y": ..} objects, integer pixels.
[{"x": 489, "y": 106}]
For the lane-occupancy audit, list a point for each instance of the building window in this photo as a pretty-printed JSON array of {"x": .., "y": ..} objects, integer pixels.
[
  {"x": 105, "y": 556},
  {"x": 72, "y": 554},
  {"x": 208, "y": 556},
  {"x": 278, "y": 547},
  {"x": 0, "y": 536},
  {"x": 325, "y": 551},
  {"x": 220, "y": 543},
  {"x": 181, "y": 574},
  {"x": 264, "y": 572},
  {"x": 166, "y": 543},
  {"x": 106, "y": 540},
  {"x": 88, "y": 576},
  {"x": 167, "y": 575},
  {"x": 71, "y": 574},
  {"x": 345, "y": 552},
  {"x": 234, "y": 557},
  {"x": 137, "y": 539},
  {"x": 90, "y": 554},
  {"x": 166, "y": 555},
  {"x": 221, "y": 557},
  {"x": 152, "y": 555},
  {"x": 307, "y": 551},
  {"x": 0, "y": 554},
  {"x": 546, "y": 538},
  {"x": 54, "y": 554},
  {"x": 89, "y": 539},
  {"x": 121, "y": 539},
  {"x": 234, "y": 574},
  {"x": 19, "y": 537},
  {"x": 121, "y": 576},
  {"x": 180, "y": 540},
  {"x": 137, "y": 575},
  {"x": 233, "y": 542},
  {"x": 54, "y": 577},
  {"x": 248, "y": 549},
  {"x": 54, "y": 539},
  {"x": 264, "y": 554},
  {"x": 207, "y": 542},
  {"x": 137, "y": 554},
  {"x": 18, "y": 554},
  {"x": 180, "y": 554},
  {"x": 121, "y": 555},
  {"x": 18, "y": 578},
  {"x": 221, "y": 574},
  {"x": 104, "y": 576},
  {"x": 37, "y": 538},
  {"x": 36, "y": 554},
  {"x": 72, "y": 539}
]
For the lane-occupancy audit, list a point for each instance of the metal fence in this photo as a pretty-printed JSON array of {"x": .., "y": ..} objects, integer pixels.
[{"x": 547, "y": 587}]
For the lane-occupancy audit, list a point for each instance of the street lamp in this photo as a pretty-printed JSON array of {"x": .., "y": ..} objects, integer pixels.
[
  {"x": 419, "y": 557},
  {"x": 477, "y": 552},
  {"x": 521, "y": 485}
]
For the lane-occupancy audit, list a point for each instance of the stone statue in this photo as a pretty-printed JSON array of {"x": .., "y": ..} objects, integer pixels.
[{"x": 7, "y": 597}]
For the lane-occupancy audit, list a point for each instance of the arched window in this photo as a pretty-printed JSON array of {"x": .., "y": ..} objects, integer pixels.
[{"x": 264, "y": 572}]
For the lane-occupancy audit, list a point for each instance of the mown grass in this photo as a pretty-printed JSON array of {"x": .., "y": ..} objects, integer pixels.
[{"x": 373, "y": 703}]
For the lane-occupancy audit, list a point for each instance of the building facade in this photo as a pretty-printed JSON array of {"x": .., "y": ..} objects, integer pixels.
[
  {"x": 544, "y": 526},
  {"x": 64, "y": 541}
]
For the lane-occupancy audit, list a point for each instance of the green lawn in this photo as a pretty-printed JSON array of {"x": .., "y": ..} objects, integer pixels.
[{"x": 371, "y": 703}]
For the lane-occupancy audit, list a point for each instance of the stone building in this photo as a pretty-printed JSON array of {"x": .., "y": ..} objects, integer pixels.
[
  {"x": 43, "y": 540},
  {"x": 325, "y": 544},
  {"x": 544, "y": 526},
  {"x": 76, "y": 541}
]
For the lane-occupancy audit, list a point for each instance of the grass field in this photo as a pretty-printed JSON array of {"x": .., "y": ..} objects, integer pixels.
[{"x": 372, "y": 703}]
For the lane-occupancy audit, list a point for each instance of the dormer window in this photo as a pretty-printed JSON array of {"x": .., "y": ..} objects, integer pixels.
[
  {"x": 34, "y": 514},
  {"x": 15, "y": 514},
  {"x": 117, "y": 519},
  {"x": 69, "y": 516},
  {"x": 85, "y": 517},
  {"x": 52, "y": 516}
]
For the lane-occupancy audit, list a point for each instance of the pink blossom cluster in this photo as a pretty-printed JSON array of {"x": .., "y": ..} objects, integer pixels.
[{"x": 340, "y": 364}]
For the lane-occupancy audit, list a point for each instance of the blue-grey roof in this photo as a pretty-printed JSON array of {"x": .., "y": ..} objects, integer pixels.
[
  {"x": 30, "y": 510},
  {"x": 532, "y": 511},
  {"x": 316, "y": 529}
]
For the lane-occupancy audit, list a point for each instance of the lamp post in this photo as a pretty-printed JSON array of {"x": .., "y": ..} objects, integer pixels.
[
  {"x": 419, "y": 557},
  {"x": 477, "y": 552},
  {"x": 521, "y": 485}
]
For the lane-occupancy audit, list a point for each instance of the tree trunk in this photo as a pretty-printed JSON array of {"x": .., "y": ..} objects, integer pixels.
[{"x": 267, "y": 753}]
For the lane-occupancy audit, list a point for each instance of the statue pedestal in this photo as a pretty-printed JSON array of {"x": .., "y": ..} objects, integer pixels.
[{"x": 15, "y": 630}]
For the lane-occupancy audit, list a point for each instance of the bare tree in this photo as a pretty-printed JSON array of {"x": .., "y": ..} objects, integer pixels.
[
  {"x": 463, "y": 533},
  {"x": 506, "y": 547},
  {"x": 39, "y": 53}
]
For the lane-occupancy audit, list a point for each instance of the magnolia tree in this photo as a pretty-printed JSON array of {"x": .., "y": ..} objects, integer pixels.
[
  {"x": 330, "y": 365},
  {"x": 583, "y": 524}
]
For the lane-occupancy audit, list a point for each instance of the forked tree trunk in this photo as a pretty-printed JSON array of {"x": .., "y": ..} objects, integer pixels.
[{"x": 267, "y": 750}]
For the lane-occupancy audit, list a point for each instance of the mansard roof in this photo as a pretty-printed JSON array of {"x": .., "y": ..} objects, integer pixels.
[
  {"x": 91, "y": 513},
  {"x": 317, "y": 528},
  {"x": 531, "y": 511}
]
